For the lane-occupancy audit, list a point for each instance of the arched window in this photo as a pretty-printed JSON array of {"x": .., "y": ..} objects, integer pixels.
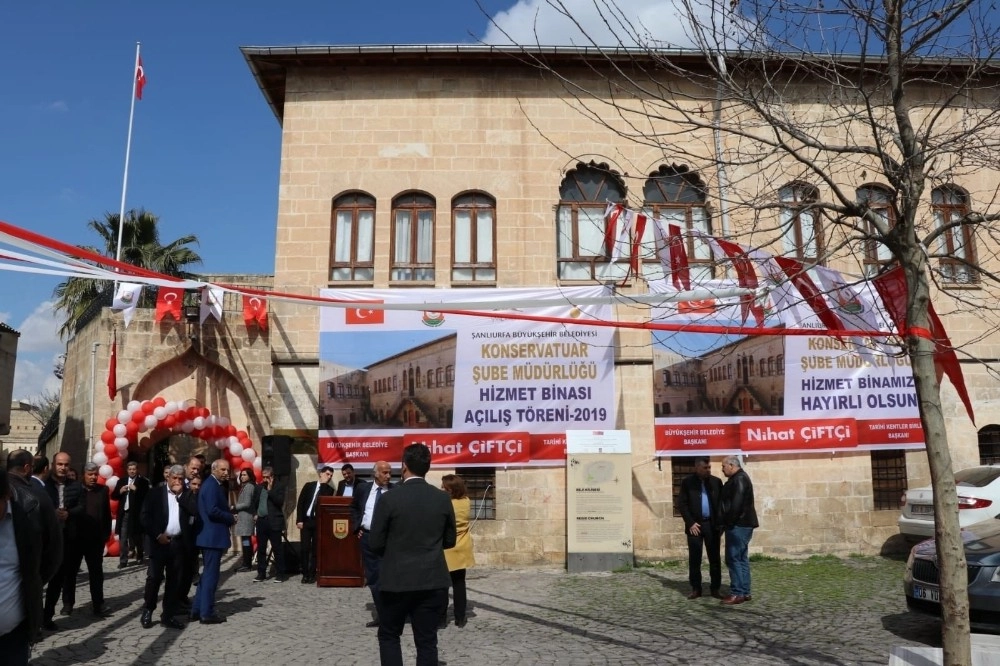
[
  {"x": 412, "y": 238},
  {"x": 439, "y": 377},
  {"x": 802, "y": 237},
  {"x": 473, "y": 238},
  {"x": 449, "y": 375},
  {"x": 430, "y": 379},
  {"x": 580, "y": 225},
  {"x": 956, "y": 247},
  {"x": 880, "y": 201},
  {"x": 779, "y": 364},
  {"x": 677, "y": 195},
  {"x": 420, "y": 378},
  {"x": 353, "y": 238}
]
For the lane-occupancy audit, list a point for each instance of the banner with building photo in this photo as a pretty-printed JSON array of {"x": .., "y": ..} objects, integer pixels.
[
  {"x": 479, "y": 391},
  {"x": 716, "y": 393}
]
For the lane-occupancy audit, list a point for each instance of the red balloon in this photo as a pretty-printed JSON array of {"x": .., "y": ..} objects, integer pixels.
[
  {"x": 114, "y": 504},
  {"x": 138, "y": 416},
  {"x": 147, "y": 408},
  {"x": 110, "y": 424},
  {"x": 101, "y": 480},
  {"x": 159, "y": 401},
  {"x": 117, "y": 465},
  {"x": 108, "y": 437},
  {"x": 205, "y": 412},
  {"x": 114, "y": 548},
  {"x": 258, "y": 475},
  {"x": 169, "y": 421},
  {"x": 132, "y": 427},
  {"x": 231, "y": 430},
  {"x": 110, "y": 450}
]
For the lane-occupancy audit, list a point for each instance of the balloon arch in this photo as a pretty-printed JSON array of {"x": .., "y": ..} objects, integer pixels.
[{"x": 162, "y": 417}]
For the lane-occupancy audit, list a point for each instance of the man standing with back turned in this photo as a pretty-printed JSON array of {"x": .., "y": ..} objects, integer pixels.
[
  {"x": 739, "y": 518},
  {"x": 698, "y": 503},
  {"x": 412, "y": 526}
]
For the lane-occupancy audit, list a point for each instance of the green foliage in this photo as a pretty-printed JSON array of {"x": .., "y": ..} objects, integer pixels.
[{"x": 140, "y": 247}]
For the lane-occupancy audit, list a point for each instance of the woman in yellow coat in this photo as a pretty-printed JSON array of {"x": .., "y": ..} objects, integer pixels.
[{"x": 460, "y": 557}]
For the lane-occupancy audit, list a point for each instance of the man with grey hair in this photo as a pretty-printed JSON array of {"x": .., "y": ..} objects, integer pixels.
[
  {"x": 739, "y": 518},
  {"x": 94, "y": 530},
  {"x": 213, "y": 539},
  {"x": 164, "y": 519}
]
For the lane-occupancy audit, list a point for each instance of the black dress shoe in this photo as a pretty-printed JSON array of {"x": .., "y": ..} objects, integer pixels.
[
  {"x": 373, "y": 623},
  {"x": 147, "y": 619},
  {"x": 100, "y": 611},
  {"x": 66, "y": 610},
  {"x": 122, "y": 565},
  {"x": 195, "y": 617},
  {"x": 171, "y": 623},
  {"x": 694, "y": 594},
  {"x": 461, "y": 623},
  {"x": 716, "y": 594},
  {"x": 213, "y": 619}
]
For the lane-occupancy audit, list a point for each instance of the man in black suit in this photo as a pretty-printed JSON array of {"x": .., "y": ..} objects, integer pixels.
[
  {"x": 268, "y": 503},
  {"x": 698, "y": 503},
  {"x": 305, "y": 519},
  {"x": 346, "y": 486},
  {"x": 66, "y": 497},
  {"x": 165, "y": 521},
  {"x": 412, "y": 526},
  {"x": 130, "y": 494},
  {"x": 363, "y": 506},
  {"x": 189, "y": 499}
]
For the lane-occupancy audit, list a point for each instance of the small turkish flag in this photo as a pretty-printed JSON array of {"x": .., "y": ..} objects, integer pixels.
[
  {"x": 704, "y": 306},
  {"x": 364, "y": 315},
  {"x": 255, "y": 310},
  {"x": 168, "y": 302},
  {"x": 140, "y": 78}
]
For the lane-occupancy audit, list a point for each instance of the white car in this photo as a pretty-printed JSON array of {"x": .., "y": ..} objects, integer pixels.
[{"x": 978, "y": 499}]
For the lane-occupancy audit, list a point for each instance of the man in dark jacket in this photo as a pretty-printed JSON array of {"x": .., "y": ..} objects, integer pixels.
[
  {"x": 163, "y": 518},
  {"x": 306, "y": 510},
  {"x": 739, "y": 518},
  {"x": 27, "y": 560},
  {"x": 95, "y": 529},
  {"x": 412, "y": 526},
  {"x": 268, "y": 504},
  {"x": 66, "y": 497},
  {"x": 698, "y": 503}
]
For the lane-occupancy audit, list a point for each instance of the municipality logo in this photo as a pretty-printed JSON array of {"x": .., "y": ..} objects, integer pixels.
[{"x": 433, "y": 319}]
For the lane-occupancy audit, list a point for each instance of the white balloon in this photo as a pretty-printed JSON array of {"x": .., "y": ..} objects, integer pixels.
[
  {"x": 100, "y": 458},
  {"x": 187, "y": 426},
  {"x": 171, "y": 407},
  {"x": 257, "y": 463},
  {"x": 199, "y": 422},
  {"x": 124, "y": 416},
  {"x": 121, "y": 442},
  {"x": 120, "y": 430},
  {"x": 223, "y": 421},
  {"x": 106, "y": 471},
  {"x": 133, "y": 405},
  {"x": 150, "y": 422},
  {"x": 221, "y": 444},
  {"x": 233, "y": 439},
  {"x": 235, "y": 449},
  {"x": 248, "y": 455},
  {"x": 112, "y": 483},
  {"x": 160, "y": 413}
]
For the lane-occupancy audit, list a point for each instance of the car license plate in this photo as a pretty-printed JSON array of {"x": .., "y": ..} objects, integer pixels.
[
  {"x": 926, "y": 593},
  {"x": 921, "y": 509}
]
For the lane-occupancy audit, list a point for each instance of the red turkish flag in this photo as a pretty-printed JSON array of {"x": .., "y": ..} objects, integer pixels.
[
  {"x": 113, "y": 367},
  {"x": 168, "y": 302},
  {"x": 255, "y": 310},
  {"x": 364, "y": 315},
  {"x": 140, "y": 78}
]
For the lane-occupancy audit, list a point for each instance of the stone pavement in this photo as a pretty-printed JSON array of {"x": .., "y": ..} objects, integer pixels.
[{"x": 820, "y": 611}]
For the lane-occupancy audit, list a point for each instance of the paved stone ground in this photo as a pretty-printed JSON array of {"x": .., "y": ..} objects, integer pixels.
[{"x": 821, "y": 611}]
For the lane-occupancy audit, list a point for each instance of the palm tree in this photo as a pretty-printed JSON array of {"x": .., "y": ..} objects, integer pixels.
[{"x": 140, "y": 247}]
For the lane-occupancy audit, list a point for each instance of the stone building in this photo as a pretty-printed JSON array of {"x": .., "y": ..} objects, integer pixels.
[
  {"x": 504, "y": 181},
  {"x": 26, "y": 425},
  {"x": 8, "y": 359}
]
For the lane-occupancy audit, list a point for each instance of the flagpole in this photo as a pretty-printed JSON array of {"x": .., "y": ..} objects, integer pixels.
[{"x": 128, "y": 150}]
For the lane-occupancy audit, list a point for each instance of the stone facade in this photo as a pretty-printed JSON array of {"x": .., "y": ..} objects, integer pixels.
[
  {"x": 445, "y": 121},
  {"x": 8, "y": 359},
  {"x": 25, "y": 426},
  {"x": 224, "y": 366}
]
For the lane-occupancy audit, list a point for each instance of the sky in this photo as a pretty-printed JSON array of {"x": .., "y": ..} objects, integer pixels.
[{"x": 205, "y": 145}]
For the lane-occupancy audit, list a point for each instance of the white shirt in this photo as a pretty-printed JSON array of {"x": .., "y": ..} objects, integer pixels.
[
  {"x": 173, "y": 515},
  {"x": 11, "y": 602},
  {"x": 128, "y": 494},
  {"x": 312, "y": 504},
  {"x": 366, "y": 520}
]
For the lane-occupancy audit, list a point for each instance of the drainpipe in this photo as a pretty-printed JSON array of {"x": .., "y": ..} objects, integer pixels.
[
  {"x": 720, "y": 167},
  {"x": 93, "y": 372}
]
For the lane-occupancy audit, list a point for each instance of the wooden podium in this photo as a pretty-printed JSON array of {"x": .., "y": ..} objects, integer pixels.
[{"x": 338, "y": 558}]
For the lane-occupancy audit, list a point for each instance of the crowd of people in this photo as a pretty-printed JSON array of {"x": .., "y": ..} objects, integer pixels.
[{"x": 414, "y": 548}]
